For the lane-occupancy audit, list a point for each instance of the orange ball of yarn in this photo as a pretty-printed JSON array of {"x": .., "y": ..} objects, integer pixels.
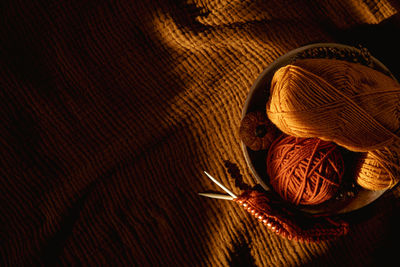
[{"x": 305, "y": 171}]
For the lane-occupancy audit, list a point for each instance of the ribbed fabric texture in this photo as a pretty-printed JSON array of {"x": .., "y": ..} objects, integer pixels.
[{"x": 111, "y": 110}]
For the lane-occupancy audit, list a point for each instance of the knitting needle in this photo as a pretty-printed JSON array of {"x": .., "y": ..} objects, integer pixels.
[
  {"x": 220, "y": 185},
  {"x": 218, "y": 196}
]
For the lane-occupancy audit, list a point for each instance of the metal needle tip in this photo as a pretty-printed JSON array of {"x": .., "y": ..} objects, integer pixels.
[
  {"x": 218, "y": 196},
  {"x": 220, "y": 185}
]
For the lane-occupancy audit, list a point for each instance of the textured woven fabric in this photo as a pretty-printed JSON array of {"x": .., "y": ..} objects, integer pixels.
[{"x": 111, "y": 110}]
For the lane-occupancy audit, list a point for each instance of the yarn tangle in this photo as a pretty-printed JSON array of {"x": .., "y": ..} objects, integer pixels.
[
  {"x": 305, "y": 171},
  {"x": 352, "y": 105}
]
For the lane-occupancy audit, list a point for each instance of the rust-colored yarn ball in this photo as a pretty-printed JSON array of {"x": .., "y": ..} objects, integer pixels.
[
  {"x": 256, "y": 131},
  {"x": 304, "y": 171}
]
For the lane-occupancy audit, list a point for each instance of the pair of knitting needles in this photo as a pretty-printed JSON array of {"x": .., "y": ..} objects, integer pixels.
[
  {"x": 271, "y": 223},
  {"x": 230, "y": 196}
]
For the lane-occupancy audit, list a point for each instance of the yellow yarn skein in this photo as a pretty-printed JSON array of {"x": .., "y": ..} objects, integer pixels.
[{"x": 347, "y": 103}]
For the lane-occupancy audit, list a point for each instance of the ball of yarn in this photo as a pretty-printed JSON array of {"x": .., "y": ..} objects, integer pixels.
[
  {"x": 305, "y": 171},
  {"x": 376, "y": 169},
  {"x": 257, "y": 131},
  {"x": 352, "y": 105}
]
